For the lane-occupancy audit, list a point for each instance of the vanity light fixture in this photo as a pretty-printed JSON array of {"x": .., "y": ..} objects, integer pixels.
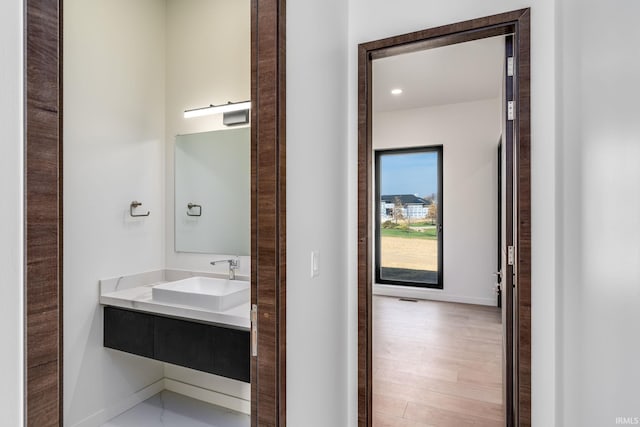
[
  {"x": 218, "y": 109},
  {"x": 396, "y": 91}
]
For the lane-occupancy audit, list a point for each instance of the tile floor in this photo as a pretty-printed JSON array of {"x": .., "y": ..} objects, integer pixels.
[{"x": 167, "y": 409}]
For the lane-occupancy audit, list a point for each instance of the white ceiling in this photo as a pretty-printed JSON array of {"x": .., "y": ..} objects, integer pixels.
[{"x": 451, "y": 74}]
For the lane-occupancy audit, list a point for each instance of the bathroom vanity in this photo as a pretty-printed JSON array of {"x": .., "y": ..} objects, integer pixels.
[{"x": 182, "y": 318}]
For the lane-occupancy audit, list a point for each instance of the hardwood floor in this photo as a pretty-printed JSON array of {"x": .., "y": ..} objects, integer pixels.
[{"x": 436, "y": 364}]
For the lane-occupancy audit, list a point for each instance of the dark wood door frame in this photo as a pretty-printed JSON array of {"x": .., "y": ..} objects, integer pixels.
[
  {"x": 43, "y": 211},
  {"x": 518, "y": 24},
  {"x": 268, "y": 205}
]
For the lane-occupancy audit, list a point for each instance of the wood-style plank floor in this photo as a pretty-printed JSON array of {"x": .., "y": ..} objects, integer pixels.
[{"x": 436, "y": 364}]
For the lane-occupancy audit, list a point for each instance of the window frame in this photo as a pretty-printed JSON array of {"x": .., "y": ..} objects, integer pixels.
[{"x": 438, "y": 149}]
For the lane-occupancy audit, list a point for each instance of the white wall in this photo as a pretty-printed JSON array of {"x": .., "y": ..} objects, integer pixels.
[
  {"x": 599, "y": 215},
  {"x": 113, "y": 154},
  {"x": 11, "y": 287},
  {"x": 208, "y": 56},
  {"x": 316, "y": 213},
  {"x": 374, "y": 19},
  {"x": 469, "y": 134}
]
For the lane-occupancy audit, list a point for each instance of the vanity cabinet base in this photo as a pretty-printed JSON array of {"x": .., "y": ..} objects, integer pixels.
[{"x": 209, "y": 348}]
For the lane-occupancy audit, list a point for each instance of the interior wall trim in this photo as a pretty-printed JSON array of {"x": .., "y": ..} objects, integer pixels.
[
  {"x": 206, "y": 395},
  {"x": 517, "y": 23},
  {"x": 428, "y": 294},
  {"x": 43, "y": 56}
]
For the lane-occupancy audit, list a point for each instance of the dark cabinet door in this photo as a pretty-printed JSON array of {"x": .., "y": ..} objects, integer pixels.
[
  {"x": 129, "y": 331},
  {"x": 231, "y": 353}
]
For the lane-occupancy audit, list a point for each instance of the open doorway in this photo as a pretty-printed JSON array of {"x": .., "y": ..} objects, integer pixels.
[
  {"x": 447, "y": 354},
  {"x": 443, "y": 349},
  {"x": 43, "y": 164}
]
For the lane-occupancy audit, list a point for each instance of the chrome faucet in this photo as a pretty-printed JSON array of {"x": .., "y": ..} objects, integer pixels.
[{"x": 233, "y": 266}]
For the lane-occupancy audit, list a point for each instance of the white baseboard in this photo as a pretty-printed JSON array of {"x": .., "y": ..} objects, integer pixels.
[
  {"x": 209, "y": 396},
  {"x": 123, "y": 405},
  {"x": 429, "y": 294},
  {"x": 223, "y": 385}
]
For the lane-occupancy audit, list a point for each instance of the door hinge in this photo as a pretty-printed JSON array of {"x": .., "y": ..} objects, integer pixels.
[
  {"x": 511, "y": 255},
  {"x": 510, "y": 110},
  {"x": 510, "y": 66},
  {"x": 254, "y": 330}
]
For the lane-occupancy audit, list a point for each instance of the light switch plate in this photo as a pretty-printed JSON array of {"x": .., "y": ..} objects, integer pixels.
[{"x": 315, "y": 263}]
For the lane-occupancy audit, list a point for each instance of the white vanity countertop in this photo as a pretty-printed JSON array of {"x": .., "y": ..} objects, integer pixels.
[{"x": 139, "y": 297}]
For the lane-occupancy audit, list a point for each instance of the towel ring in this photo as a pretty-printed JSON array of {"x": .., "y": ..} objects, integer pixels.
[
  {"x": 194, "y": 206},
  {"x": 134, "y": 205}
]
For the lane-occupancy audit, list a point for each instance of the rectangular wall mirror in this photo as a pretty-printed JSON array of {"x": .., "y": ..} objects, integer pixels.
[{"x": 213, "y": 192}]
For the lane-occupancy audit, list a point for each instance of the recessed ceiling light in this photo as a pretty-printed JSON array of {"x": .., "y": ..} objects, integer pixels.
[{"x": 396, "y": 91}]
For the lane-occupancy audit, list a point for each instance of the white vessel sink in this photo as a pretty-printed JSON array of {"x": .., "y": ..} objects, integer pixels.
[{"x": 204, "y": 292}]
